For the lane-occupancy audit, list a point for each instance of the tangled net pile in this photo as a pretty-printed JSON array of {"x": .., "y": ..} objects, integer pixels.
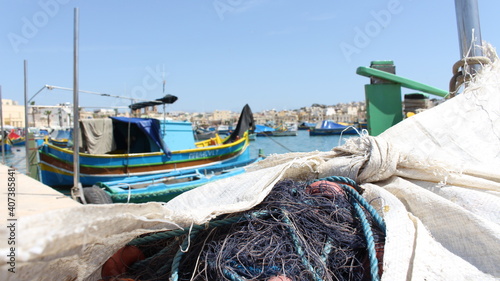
[{"x": 300, "y": 231}]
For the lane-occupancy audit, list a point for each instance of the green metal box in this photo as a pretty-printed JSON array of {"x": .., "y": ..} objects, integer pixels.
[{"x": 383, "y": 107}]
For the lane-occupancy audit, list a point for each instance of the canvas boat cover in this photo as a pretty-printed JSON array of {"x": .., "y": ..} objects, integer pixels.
[
  {"x": 330, "y": 125},
  {"x": 150, "y": 127},
  {"x": 434, "y": 178},
  {"x": 97, "y": 135},
  {"x": 263, "y": 128}
]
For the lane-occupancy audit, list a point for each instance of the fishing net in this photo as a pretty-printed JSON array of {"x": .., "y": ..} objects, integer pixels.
[{"x": 299, "y": 231}]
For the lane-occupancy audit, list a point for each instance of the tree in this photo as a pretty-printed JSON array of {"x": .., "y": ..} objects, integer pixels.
[
  {"x": 33, "y": 111},
  {"x": 48, "y": 112},
  {"x": 60, "y": 117}
]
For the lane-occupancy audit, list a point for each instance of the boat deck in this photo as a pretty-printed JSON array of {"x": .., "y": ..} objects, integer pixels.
[{"x": 31, "y": 196}]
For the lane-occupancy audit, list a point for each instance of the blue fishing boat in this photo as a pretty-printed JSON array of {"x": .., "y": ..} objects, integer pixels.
[
  {"x": 306, "y": 125},
  {"x": 118, "y": 147},
  {"x": 7, "y": 146},
  {"x": 15, "y": 139},
  {"x": 205, "y": 133},
  {"x": 328, "y": 127},
  {"x": 163, "y": 187},
  {"x": 288, "y": 129},
  {"x": 262, "y": 130},
  {"x": 60, "y": 137}
]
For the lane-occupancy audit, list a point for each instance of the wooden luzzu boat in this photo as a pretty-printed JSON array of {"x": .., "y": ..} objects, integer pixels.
[
  {"x": 154, "y": 147},
  {"x": 16, "y": 139},
  {"x": 162, "y": 187}
]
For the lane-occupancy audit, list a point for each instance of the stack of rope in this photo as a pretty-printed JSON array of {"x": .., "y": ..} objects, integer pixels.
[{"x": 322, "y": 230}]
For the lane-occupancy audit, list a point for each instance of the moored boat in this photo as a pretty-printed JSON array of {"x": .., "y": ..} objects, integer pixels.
[
  {"x": 306, "y": 125},
  {"x": 119, "y": 147},
  {"x": 328, "y": 127},
  {"x": 7, "y": 146},
  {"x": 16, "y": 139},
  {"x": 163, "y": 187},
  {"x": 204, "y": 134},
  {"x": 264, "y": 131},
  {"x": 60, "y": 137},
  {"x": 224, "y": 130},
  {"x": 286, "y": 130}
]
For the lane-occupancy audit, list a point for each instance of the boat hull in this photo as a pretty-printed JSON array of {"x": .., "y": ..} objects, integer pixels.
[
  {"x": 164, "y": 187},
  {"x": 328, "y": 132},
  {"x": 18, "y": 142},
  {"x": 59, "y": 143},
  {"x": 57, "y": 163},
  {"x": 284, "y": 133},
  {"x": 6, "y": 147}
]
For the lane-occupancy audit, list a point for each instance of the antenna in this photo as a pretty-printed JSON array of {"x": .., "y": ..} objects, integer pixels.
[{"x": 163, "y": 78}]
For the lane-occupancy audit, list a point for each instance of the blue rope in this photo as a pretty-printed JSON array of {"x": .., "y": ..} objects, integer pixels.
[
  {"x": 345, "y": 180},
  {"x": 298, "y": 247},
  {"x": 178, "y": 256},
  {"x": 370, "y": 244},
  {"x": 357, "y": 201},
  {"x": 327, "y": 249},
  {"x": 143, "y": 263},
  {"x": 362, "y": 201},
  {"x": 233, "y": 276}
]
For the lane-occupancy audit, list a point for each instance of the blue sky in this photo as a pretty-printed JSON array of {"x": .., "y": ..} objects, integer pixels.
[{"x": 223, "y": 54}]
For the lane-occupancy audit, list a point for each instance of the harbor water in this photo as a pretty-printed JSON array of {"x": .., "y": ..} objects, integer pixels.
[
  {"x": 266, "y": 145},
  {"x": 16, "y": 158},
  {"x": 300, "y": 143}
]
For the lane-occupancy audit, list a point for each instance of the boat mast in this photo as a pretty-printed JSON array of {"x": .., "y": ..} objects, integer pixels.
[
  {"x": 26, "y": 116},
  {"x": 1, "y": 124},
  {"x": 469, "y": 31},
  {"x": 77, "y": 189}
]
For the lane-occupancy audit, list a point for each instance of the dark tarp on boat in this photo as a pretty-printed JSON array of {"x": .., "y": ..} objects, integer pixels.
[
  {"x": 140, "y": 130},
  {"x": 307, "y": 125},
  {"x": 166, "y": 99},
  {"x": 245, "y": 123}
]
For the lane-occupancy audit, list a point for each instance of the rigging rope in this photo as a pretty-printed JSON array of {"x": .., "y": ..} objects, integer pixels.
[
  {"x": 461, "y": 76},
  {"x": 271, "y": 138}
]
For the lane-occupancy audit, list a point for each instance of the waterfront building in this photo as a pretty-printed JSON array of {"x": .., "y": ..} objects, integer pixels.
[{"x": 13, "y": 113}]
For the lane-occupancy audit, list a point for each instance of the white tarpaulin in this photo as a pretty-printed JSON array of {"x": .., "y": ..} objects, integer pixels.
[{"x": 434, "y": 178}]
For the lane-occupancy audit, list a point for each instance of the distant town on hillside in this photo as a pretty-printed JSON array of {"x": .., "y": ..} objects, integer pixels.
[{"x": 60, "y": 116}]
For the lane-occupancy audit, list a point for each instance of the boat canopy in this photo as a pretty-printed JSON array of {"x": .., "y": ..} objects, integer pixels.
[
  {"x": 262, "y": 128},
  {"x": 307, "y": 124},
  {"x": 166, "y": 99},
  {"x": 329, "y": 124},
  {"x": 148, "y": 126},
  {"x": 61, "y": 134}
]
